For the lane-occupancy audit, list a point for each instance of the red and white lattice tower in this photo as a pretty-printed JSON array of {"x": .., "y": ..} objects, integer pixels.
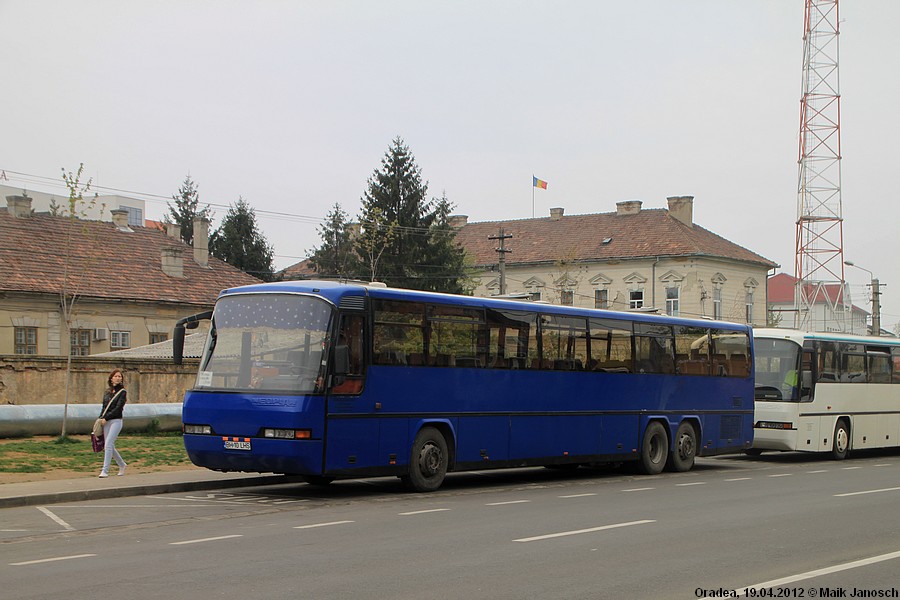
[{"x": 819, "y": 297}]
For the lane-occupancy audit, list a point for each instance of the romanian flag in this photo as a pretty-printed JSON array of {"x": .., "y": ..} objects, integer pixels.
[{"x": 539, "y": 183}]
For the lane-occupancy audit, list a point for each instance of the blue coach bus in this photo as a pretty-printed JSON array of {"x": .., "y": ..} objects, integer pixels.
[{"x": 330, "y": 380}]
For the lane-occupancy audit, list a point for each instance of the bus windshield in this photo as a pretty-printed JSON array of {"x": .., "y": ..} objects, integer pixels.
[
  {"x": 777, "y": 364},
  {"x": 273, "y": 342}
]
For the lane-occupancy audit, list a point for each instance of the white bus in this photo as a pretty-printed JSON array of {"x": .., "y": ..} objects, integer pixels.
[{"x": 824, "y": 392}]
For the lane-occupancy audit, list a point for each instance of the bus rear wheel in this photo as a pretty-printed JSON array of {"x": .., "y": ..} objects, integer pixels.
[
  {"x": 840, "y": 445},
  {"x": 654, "y": 449},
  {"x": 428, "y": 461},
  {"x": 685, "y": 449}
]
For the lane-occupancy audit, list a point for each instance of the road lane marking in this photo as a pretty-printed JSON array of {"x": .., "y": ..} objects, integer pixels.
[
  {"x": 578, "y": 495},
  {"x": 850, "y": 468},
  {"x": 819, "y": 471},
  {"x": 422, "y": 512},
  {"x": 893, "y": 489},
  {"x": 739, "y": 479},
  {"x": 883, "y": 465},
  {"x": 212, "y": 539},
  {"x": 314, "y": 525},
  {"x": 780, "y": 475},
  {"x": 46, "y": 560},
  {"x": 826, "y": 571},
  {"x": 59, "y": 521},
  {"x": 639, "y": 489},
  {"x": 510, "y": 502},
  {"x": 580, "y": 531},
  {"x": 692, "y": 483}
]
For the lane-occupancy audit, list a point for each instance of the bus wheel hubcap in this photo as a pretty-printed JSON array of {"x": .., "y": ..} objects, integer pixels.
[
  {"x": 685, "y": 447},
  {"x": 841, "y": 439},
  {"x": 430, "y": 459}
]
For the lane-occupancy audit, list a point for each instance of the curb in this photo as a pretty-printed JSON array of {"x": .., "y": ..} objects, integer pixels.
[{"x": 138, "y": 490}]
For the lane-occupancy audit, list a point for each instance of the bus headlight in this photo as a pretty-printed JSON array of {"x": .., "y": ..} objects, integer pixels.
[
  {"x": 287, "y": 434},
  {"x": 198, "y": 429},
  {"x": 773, "y": 425}
]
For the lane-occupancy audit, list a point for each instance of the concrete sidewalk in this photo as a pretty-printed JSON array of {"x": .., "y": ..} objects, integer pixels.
[{"x": 91, "y": 487}]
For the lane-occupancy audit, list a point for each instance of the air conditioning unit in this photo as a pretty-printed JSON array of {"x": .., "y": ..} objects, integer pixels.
[{"x": 101, "y": 333}]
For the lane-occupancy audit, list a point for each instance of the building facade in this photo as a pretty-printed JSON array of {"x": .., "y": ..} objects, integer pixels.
[
  {"x": 85, "y": 287},
  {"x": 632, "y": 259}
]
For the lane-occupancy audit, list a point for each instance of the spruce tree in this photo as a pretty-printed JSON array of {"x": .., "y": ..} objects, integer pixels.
[
  {"x": 240, "y": 243},
  {"x": 187, "y": 201},
  {"x": 336, "y": 256},
  {"x": 406, "y": 238}
]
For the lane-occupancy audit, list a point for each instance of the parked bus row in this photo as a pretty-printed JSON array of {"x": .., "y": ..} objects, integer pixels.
[{"x": 329, "y": 380}]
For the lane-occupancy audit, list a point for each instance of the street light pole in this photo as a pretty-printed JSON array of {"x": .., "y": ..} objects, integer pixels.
[{"x": 876, "y": 300}]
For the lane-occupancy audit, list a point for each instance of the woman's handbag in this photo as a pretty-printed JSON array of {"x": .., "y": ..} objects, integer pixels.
[{"x": 97, "y": 441}]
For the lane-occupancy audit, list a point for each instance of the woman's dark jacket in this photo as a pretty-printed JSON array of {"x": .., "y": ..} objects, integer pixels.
[{"x": 115, "y": 411}]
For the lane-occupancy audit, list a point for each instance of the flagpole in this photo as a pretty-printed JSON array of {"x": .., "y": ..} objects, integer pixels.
[{"x": 532, "y": 195}]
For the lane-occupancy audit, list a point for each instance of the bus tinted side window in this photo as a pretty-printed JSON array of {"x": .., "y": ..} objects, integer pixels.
[
  {"x": 654, "y": 348},
  {"x": 398, "y": 331},
  {"x": 456, "y": 337},
  {"x": 610, "y": 346},
  {"x": 730, "y": 352},
  {"x": 511, "y": 332},
  {"x": 691, "y": 350},
  {"x": 563, "y": 343},
  {"x": 853, "y": 363},
  {"x": 878, "y": 363}
]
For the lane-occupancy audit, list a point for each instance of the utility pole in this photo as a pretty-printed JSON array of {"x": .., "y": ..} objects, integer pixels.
[
  {"x": 876, "y": 307},
  {"x": 502, "y": 250}
]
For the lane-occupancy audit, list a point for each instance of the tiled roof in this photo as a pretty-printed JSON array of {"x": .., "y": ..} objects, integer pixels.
[
  {"x": 649, "y": 233},
  {"x": 781, "y": 291},
  {"x": 104, "y": 262}
]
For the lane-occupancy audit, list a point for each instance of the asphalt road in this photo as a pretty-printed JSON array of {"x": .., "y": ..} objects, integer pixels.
[{"x": 809, "y": 526}]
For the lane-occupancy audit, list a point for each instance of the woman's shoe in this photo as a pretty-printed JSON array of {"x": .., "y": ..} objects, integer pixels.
[
  {"x": 121, "y": 470},
  {"x": 103, "y": 474}
]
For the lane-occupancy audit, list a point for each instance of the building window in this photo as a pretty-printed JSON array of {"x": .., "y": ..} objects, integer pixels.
[
  {"x": 672, "y": 301},
  {"x": 601, "y": 298},
  {"x": 120, "y": 339},
  {"x": 80, "y": 342},
  {"x": 135, "y": 216},
  {"x": 567, "y": 298},
  {"x": 749, "y": 303},
  {"x": 156, "y": 338},
  {"x": 717, "y": 303},
  {"x": 26, "y": 340},
  {"x": 636, "y": 299},
  {"x": 534, "y": 296}
]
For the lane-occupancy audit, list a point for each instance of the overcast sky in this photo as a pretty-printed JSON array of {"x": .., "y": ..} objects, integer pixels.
[{"x": 292, "y": 105}]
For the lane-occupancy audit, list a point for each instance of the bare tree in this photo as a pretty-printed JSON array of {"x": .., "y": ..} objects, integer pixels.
[{"x": 74, "y": 274}]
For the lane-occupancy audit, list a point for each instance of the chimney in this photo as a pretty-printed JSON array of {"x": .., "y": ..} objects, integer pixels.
[
  {"x": 120, "y": 218},
  {"x": 173, "y": 230},
  {"x": 458, "y": 221},
  {"x": 173, "y": 262},
  {"x": 682, "y": 208},
  {"x": 201, "y": 241},
  {"x": 556, "y": 214},
  {"x": 19, "y": 206},
  {"x": 628, "y": 207}
]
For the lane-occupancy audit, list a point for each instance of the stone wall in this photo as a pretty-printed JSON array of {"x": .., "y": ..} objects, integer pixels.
[{"x": 27, "y": 380}]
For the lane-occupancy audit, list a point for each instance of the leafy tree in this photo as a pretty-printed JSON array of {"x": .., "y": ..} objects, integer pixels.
[
  {"x": 240, "y": 243},
  {"x": 336, "y": 256},
  {"x": 406, "y": 239},
  {"x": 186, "y": 210}
]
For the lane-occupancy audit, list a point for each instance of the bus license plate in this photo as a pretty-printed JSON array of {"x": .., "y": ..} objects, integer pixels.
[{"x": 236, "y": 445}]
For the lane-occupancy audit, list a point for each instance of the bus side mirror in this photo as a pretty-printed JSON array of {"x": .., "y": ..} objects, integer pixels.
[{"x": 341, "y": 362}]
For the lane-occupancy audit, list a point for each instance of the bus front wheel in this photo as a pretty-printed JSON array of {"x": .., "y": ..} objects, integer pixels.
[
  {"x": 840, "y": 445},
  {"x": 685, "y": 449},
  {"x": 654, "y": 449},
  {"x": 428, "y": 461}
]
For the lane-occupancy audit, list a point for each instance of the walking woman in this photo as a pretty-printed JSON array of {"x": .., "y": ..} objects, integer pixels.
[{"x": 111, "y": 416}]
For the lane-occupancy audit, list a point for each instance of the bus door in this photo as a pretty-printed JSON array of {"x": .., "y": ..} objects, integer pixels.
[{"x": 352, "y": 427}]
